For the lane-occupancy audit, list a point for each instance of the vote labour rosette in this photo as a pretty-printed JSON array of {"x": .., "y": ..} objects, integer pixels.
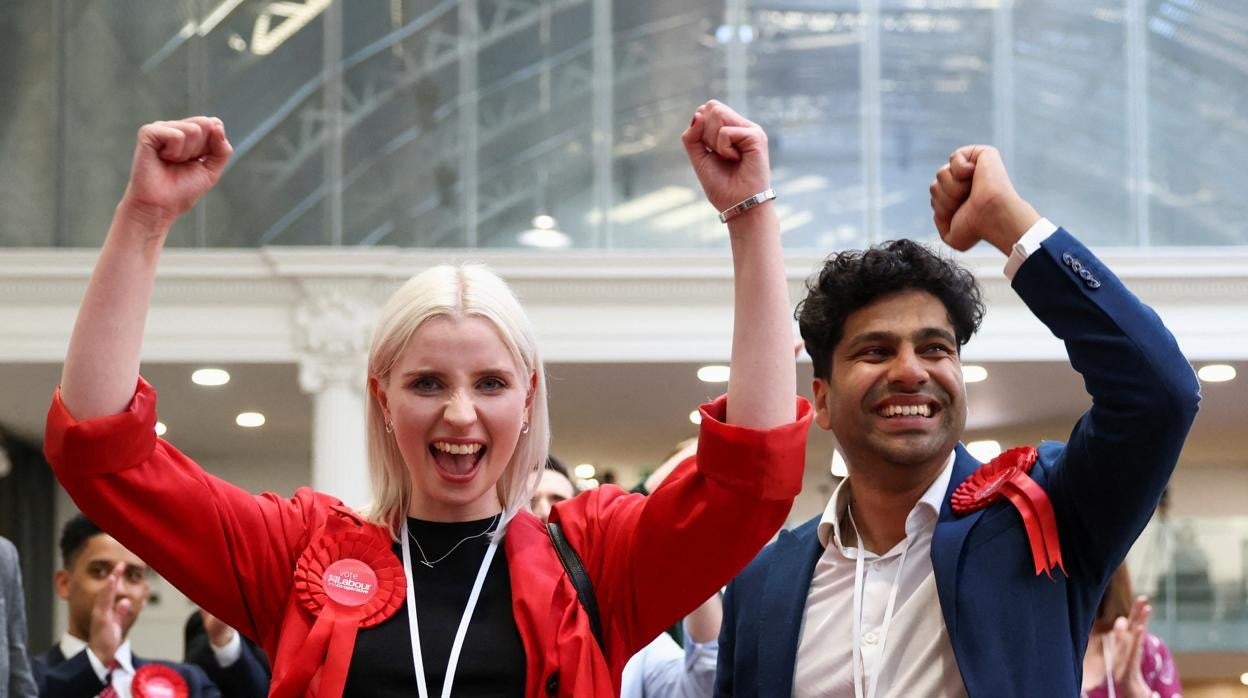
[
  {"x": 158, "y": 681},
  {"x": 1007, "y": 476},
  {"x": 349, "y": 580}
]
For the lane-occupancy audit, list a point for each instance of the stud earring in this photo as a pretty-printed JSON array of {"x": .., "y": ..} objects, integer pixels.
[
  {"x": 389, "y": 426},
  {"x": 525, "y": 429}
]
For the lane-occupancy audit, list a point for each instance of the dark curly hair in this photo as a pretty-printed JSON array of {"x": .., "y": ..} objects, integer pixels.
[
  {"x": 852, "y": 279},
  {"x": 74, "y": 536}
]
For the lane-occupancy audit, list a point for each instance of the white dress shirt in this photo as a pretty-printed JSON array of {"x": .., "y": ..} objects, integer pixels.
[
  {"x": 917, "y": 659},
  {"x": 662, "y": 669}
]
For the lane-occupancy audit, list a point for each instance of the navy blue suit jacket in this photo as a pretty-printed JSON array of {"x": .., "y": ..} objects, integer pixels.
[
  {"x": 247, "y": 677},
  {"x": 58, "y": 677},
  {"x": 1015, "y": 633}
]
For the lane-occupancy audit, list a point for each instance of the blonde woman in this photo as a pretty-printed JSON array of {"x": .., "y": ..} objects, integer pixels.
[{"x": 444, "y": 584}]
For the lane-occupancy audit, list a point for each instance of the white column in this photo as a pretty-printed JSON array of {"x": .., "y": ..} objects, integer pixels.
[{"x": 333, "y": 334}]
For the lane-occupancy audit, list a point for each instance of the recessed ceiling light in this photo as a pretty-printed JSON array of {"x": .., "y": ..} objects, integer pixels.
[
  {"x": 1216, "y": 373},
  {"x": 250, "y": 420},
  {"x": 1243, "y": 678},
  {"x": 544, "y": 238},
  {"x": 584, "y": 471},
  {"x": 714, "y": 373},
  {"x": 984, "y": 450},
  {"x": 210, "y": 376},
  {"x": 695, "y": 417},
  {"x": 974, "y": 374},
  {"x": 161, "y": 428}
]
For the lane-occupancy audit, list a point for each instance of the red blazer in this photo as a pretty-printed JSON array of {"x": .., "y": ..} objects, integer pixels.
[{"x": 652, "y": 559}]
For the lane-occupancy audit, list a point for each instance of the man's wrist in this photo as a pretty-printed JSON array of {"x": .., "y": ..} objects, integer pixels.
[
  {"x": 228, "y": 653},
  {"x": 223, "y": 638},
  {"x": 1013, "y": 219}
]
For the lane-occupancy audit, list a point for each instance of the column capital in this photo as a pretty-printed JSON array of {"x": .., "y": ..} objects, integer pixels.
[{"x": 332, "y": 334}]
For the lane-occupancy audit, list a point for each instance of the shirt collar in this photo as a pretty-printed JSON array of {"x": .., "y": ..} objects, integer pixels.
[
  {"x": 70, "y": 646},
  {"x": 926, "y": 511}
]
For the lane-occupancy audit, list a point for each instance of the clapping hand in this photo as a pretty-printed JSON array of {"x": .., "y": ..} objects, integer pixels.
[
  {"x": 1126, "y": 645},
  {"x": 109, "y": 617}
]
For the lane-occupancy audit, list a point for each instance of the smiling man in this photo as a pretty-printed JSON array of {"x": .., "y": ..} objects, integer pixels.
[
  {"x": 895, "y": 590},
  {"x": 105, "y": 588}
]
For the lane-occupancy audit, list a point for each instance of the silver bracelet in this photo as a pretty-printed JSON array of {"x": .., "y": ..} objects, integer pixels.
[{"x": 734, "y": 211}]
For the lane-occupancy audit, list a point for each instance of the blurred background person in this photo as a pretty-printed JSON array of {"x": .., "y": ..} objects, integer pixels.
[
  {"x": 551, "y": 486},
  {"x": 238, "y": 667},
  {"x": 1124, "y": 660},
  {"x": 15, "y": 677},
  {"x": 106, "y": 587},
  {"x": 662, "y": 668}
]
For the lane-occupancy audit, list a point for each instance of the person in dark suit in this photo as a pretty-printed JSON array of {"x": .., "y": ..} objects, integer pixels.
[
  {"x": 105, "y": 587},
  {"x": 238, "y": 667},
  {"x": 900, "y": 588}
]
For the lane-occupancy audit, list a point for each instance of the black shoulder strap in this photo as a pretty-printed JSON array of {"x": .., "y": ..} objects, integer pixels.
[{"x": 580, "y": 579}]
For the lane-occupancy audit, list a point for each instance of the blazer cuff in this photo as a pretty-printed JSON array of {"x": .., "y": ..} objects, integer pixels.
[
  {"x": 101, "y": 445},
  {"x": 768, "y": 463}
]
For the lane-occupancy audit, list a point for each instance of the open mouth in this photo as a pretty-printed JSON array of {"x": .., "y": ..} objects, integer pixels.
[{"x": 457, "y": 461}]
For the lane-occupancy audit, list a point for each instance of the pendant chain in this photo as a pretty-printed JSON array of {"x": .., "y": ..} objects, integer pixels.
[{"x": 424, "y": 560}]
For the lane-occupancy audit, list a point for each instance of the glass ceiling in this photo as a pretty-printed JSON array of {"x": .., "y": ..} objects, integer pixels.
[{"x": 547, "y": 123}]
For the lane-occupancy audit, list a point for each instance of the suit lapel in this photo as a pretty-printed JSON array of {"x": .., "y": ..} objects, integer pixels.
[
  {"x": 54, "y": 655},
  {"x": 783, "y": 602},
  {"x": 948, "y": 540}
]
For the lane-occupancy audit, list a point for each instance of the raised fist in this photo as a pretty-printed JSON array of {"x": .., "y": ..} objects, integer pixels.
[
  {"x": 175, "y": 163},
  {"x": 728, "y": 153},
  {"x": 973, "y": 200}
]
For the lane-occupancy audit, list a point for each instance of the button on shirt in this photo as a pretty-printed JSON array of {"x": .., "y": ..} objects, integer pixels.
[{"x": 918, "y": 659}]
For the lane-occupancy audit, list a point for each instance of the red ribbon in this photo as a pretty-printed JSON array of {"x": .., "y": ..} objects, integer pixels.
[
  {"x": 326, "y": 654},
  {"x": 1007, "y": 476},
  {"x": 158, "y": 681}
]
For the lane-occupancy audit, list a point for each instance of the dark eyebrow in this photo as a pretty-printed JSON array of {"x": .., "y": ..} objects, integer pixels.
[
  {"x": 930, "y": 332},
  {"x": 892, "y": 337},
  {"x": 877, "y": 336}
]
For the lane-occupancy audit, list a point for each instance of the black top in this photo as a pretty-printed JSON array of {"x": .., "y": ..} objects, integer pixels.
[{"x": 492, "y": 662}]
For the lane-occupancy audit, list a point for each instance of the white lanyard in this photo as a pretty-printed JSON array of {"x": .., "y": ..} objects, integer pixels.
[
  {"x": 453, "y": 662},
  {"x": 859, "y": 591},
  {"x": 1107, "y": 653}
]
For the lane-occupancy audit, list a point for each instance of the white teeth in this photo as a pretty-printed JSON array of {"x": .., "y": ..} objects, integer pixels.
[
  {"x": 906, "y": 411},
  {"x": 457, "y": 449}
]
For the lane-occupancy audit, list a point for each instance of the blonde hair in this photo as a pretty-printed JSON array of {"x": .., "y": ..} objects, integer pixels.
[{"x": 468, "y": 290}]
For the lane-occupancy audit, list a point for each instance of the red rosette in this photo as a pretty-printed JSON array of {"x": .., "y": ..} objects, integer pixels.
[
  {"x": 369, "y": 547},
  {"x": 158, "y": 681},
  {"x": 1007, "y": 476},
  {"x": 349, "y": 579}
]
